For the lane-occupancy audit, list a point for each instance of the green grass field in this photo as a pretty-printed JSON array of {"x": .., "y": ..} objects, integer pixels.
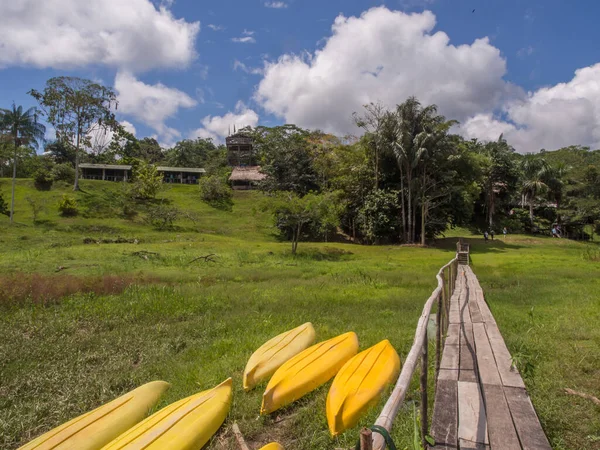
[{"x": 82, "y": 323}]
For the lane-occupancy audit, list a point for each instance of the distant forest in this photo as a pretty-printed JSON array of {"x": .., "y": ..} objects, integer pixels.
[{"x": 407, "y": 179}]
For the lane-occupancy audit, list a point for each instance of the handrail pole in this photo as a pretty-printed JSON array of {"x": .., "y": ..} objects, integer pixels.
[
  {"x": 438, "y": 337},
  {"x": 424, "y": 367}
]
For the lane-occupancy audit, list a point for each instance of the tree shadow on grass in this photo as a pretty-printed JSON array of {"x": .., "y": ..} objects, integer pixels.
[{"x": 478, "y": 245}]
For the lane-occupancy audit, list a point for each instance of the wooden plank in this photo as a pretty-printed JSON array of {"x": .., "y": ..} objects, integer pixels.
[
  {"x": 453, "y": 334},
  {"x": 501, "y": 430},
  {"x": 466, "y": 335},
  {"x": 468, "y": 445},
  {"x": 526, "y": 421},
  {"x": 472, "y": 423},
  {"x": 454, "y": 315},
  {"x": 448, "y": 374},
  {"x": 467, "y": 357},
  {"x": 450, "y": 357},
  {"x": 486, "y": 364},
  {"x": 510, "y": 375},
  {"x": 476, "y": 316},
  {"x": 444, "y": 424},
  {"x": 467, "y": 375},
  {"x": 493, "y": 331}
]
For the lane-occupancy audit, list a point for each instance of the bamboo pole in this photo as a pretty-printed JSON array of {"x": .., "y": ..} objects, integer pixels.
[
  {"x": 423, "y": 379},
  {"x": 390, "y": 410},
  {"x": 438, "y": 337}
]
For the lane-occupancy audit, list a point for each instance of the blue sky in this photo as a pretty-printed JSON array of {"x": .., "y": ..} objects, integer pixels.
[{"x": 186, "y": 68}]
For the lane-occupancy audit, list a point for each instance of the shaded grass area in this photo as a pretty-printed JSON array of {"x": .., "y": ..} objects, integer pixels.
[{"x": 194, "y": 323}]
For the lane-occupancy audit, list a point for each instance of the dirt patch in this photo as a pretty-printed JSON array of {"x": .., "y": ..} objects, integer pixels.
[{"x": 21, "y": 288}]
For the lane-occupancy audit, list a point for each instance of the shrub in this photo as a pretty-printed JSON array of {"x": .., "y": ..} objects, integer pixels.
[
  {"x": 147, "y": 182},
  {"x": 216, "y": 192},
  {"x": 4, "y": 206},
  {"x": 162, "y": 217},
  {"x": 36, "y": 207},
  {"x": 64, "y": 172},
  {"x": 68, "y": 206},
  {"x": 42, "y": 179}
]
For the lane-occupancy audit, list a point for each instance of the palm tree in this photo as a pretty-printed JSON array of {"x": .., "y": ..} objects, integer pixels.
[
  {"x": 23, "y": 129},
  {"x": 536, "y": 175}
]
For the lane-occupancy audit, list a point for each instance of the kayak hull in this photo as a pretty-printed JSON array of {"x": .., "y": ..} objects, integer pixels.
[
  {"x": 308, "y": 370},
  {"x": 273, "y": 446},
  {"x": 359, "y": 384},
  {"x": 272, "y": 354},
  {"x": 91, "y": 431},
  {"x": 187, "y": 424}
]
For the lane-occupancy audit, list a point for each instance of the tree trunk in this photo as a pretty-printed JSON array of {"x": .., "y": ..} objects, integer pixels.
[
  {"x": 76, "y": 186},
  {"x": 423, "y": 213},
  {"x": 410, "y": 211},
  {"x": 376, "y": 167},
  {"x": 531, "y": 209},
  {"x": 14, "y": 180},
  {"x": 403, "y": 208}
]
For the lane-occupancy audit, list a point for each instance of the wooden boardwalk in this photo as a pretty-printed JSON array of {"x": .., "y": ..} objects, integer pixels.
[{"x": 480, "y": 400}]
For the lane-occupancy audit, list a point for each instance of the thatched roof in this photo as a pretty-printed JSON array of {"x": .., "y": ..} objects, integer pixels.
[{"x": 250, "y": 173}]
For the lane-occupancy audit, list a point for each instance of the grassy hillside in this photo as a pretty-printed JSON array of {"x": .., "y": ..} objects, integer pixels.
[{"x": 82, "y": 323}]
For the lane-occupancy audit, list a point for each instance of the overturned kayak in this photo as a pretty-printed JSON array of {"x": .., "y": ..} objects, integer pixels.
[
  {"x": 272, "y": 354},
  {"x": 308, "y": 370},
  {"x": 359, "y": 384},
  {"x": 184, "y": 425},
  {"x": 273, "y": 446},
  {"x": 96, "y": 428}
]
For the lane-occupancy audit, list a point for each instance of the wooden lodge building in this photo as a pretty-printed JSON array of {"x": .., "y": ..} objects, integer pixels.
[
  {"x": 240, "y": 155},
  {"x": 245, "y": 172},
  {"x": 116, "y": 172}
]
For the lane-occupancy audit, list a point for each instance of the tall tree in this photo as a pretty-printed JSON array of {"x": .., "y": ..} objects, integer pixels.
[
  {"x": 24, "y": 129},
  {"x": 536, "y": 173},
  {"x": 78, "y": 109}
]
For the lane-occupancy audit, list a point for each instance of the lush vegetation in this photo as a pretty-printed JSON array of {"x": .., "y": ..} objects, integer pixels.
[
  {"x": 116, "y": 284},
  {"x": 96, "y": 304}
]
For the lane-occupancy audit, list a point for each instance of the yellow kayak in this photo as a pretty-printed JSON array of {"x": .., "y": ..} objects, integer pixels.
[
  {"x": 359, "y": 384},
  {"x": 308, "y": 370},
  {"x": 272, "y": 354},
  {"x": 96, "y": 428},
  {"x": 273, "y": 446},
  {"x": 184, "y": 425}
]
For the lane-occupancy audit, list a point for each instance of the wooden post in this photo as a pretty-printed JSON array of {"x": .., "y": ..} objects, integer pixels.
[
  {"x": 103, "y": 174},
  {"x": 424, "y": 366},
  {"x": 366, "y": 439},
  {"x": 438, "y": 337}
]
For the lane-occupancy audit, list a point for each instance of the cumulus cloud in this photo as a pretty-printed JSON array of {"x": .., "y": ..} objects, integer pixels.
[
  {"x": 276, "y": 5},
  {"x": 383, "y": 55},
  {"x": 132, "y": 34},
  {"x": 550, "y": 118},
  {"x": 244, "y": 40},
  {"x": 218, "y": 127},
  {"x": 151, "y": 104},
  {"x": 238, "y": 65}
]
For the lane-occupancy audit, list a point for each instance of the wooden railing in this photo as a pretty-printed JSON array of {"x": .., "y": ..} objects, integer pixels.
[
  {"x": 462, "y": 247},
  {"x": 446, "y": 279}
]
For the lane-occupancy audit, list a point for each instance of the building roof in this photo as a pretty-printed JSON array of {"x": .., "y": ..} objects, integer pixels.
[
  {"x": 128, "y": 167},
  {"x": 250, "y": 173}
]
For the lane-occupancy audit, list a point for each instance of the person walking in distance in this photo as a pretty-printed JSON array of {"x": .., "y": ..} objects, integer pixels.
[
  {"x": 485, "y": 236},
  {"x": 492, "y": 234},
  {"x": 504, "y": 231}
]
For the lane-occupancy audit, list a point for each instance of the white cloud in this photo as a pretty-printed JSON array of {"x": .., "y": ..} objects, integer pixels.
[
  {"x": 550, "y": 118},
  {"x": 248, "y": 32},
  {"x": 276, "y": 5},
  {"x": 525, "y": 51},
  {"x": 237, "y": 64},
  {"x": 383, "y": 55},
  {"x": 129, "y": 127},
  {"x": 218, "y": 127},
  {"x": 244, "y": 40},
  {"x": 214, "y": 27},
  {"x": 151, "y": 104},
  {"x": 132, "y": 34}
]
